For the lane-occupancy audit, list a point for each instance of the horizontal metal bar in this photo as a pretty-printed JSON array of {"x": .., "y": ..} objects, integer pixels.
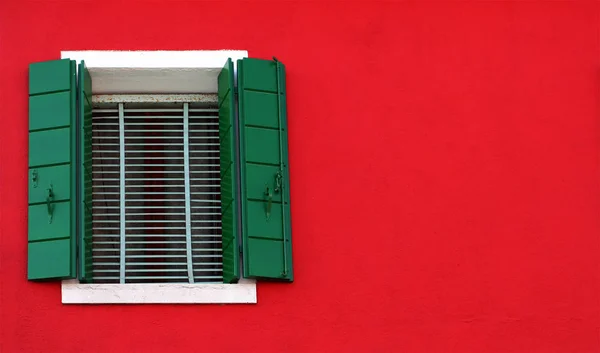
[
  {"x": 149, "y": 207},
  {"x": 154, "y": 131},
  {"x": 153, "y": 110},
  {"x": 144, "y": 235},
  {"x": 154, "y": 200},
  {"x": 97, "y": 110},
  {"x": 151, "y": 270},
  {"x": 154, "y": 172},
  {"x": 148, "y": 165},
  {"x": 161, "y": 214},
  {"x": 151, "y": 124},
  {"x": 144, "y": 186},
  {"x": 160, "y": 221},
  {"x": 133, "y": 236},
  {"x": 143, "y": 243},
  {"x": 154, "y": 193},
  {"x": 148, "y": 228},
  {"x": 148, "y": 257},
  {"x": 149, "y": 144},
  {"x": 155, "y": 277},
  {"x": 155, "y": 264},
  {"x": 150, "y": 179},
  {"x": 155, "y": 221},
  {"x": 164, "y": 266},
  {"x": 173, "y": 138}
]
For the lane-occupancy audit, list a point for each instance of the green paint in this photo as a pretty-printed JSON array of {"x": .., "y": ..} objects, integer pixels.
[
  {"x": 84, "y": 161},
  {"x": 52, "y": 146},
  {"x": 229, "y": 187},
  {"x": 266, "y": 219}
]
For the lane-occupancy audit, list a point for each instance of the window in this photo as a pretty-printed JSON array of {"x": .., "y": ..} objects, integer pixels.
[{"x": 73, "y": 195}]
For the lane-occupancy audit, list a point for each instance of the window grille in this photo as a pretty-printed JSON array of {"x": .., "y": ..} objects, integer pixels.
[{"x": 156, "y": 195}]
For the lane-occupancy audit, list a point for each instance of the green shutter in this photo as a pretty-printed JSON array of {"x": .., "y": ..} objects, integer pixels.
[
  {"x": 229, "y": 194},
  {"x": 265, "y": 192},
  {"x": 84, "y": 216},
  {"x": 52, "y": 173}
]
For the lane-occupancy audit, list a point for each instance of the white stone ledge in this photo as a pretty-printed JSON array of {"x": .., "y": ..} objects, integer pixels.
[{"x": 74, "y": 292}]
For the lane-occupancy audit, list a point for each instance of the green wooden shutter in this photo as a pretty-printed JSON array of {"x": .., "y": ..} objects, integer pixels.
[
  {"x": 229, "y": 193},
  {"x": 84, "y": 217},
  {"x": 52, "y": 173},
  {"x": 265, "y": 192}
]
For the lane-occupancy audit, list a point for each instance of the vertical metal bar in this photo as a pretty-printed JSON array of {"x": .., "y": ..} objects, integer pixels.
[
  {"x": 188, "y": 206},
  {"x": 122, "y": 192},
  {"x": 281, "y": 166}
]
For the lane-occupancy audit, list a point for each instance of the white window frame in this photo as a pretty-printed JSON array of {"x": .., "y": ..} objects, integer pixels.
[{"x": 163, "y": 72}]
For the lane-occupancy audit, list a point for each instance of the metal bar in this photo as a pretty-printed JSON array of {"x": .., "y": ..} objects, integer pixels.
[
  {"x": 188, "y": 204},
  {"x": 157, "y": 277},
  {"x": 173, "y": 116},
  {"x": 129, "y": 130},
  {"x": 168, "y": 138},
  {"x": 104, "y": 110},
  {"x": 122, "y": 190},
  {"x": 153, "y": 110},
  {"x": 161, "y": 124}
]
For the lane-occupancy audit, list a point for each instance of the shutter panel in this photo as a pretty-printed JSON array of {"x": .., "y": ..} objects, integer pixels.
[
  {"x": 52, "y": 173},
  {"x": 84, "y": 216},
  {"x": 229, "y": 193},
  {"x": 264, "y": 170}
]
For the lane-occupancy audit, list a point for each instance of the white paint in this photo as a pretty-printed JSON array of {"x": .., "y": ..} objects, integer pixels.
[
  {"x": 168, "y": 72},
  {"x": 159, "y": 72},
  {"x": 156, "y": 293}
]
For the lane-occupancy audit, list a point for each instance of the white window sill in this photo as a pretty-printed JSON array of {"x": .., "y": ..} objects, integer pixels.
[{"x": 243, "y": 292}]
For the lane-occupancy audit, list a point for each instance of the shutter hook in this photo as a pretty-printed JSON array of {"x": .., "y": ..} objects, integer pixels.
[
  {"x": 269, "y": 196},
  {"x": 278, "y": 178},
  {"x": 34, "y": 178},
  {"x": 49, "y": 200}
]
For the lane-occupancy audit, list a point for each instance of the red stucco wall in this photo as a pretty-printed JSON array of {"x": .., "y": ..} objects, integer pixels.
[{"x": 445, "y": 177}]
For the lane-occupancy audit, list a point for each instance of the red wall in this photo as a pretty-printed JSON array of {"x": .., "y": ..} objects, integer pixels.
[{"x": 445, "y": 177}]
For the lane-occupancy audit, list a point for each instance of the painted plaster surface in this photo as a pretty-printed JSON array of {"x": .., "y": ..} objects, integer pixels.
[{"x": 444, "y": 176}]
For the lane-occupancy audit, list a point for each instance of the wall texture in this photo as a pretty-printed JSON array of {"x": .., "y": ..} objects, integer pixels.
[{"x": 445, "y": 176}]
